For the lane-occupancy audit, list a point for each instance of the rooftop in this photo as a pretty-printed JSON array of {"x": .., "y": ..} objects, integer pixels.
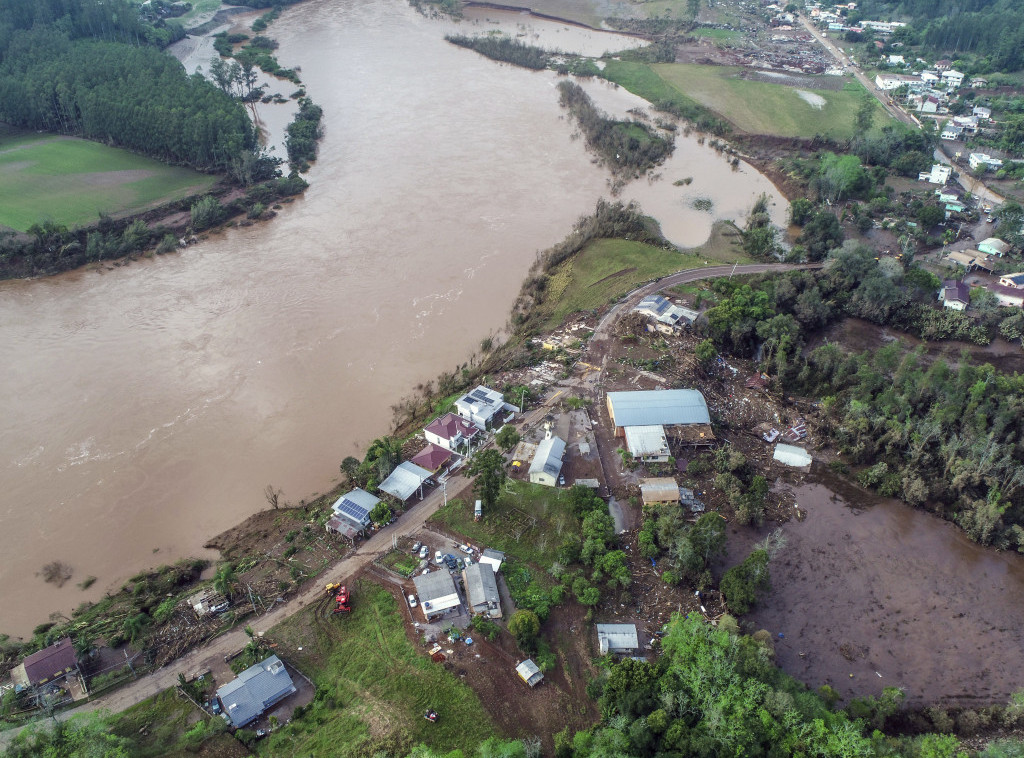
[
  {"x": 256, "y": 689},
  {"x": 404, "y": 480},
  {"x": 355, "y": 506},
  {"x": 432, "y": 457},
  {"x": 450, "y": 426},
  {"x": 663, "y": 489},
  {"x": 647, "y": 441},
  {"x": 617, "y": 638},
  {"x": 51, "y": 662},
  {"x": 648, "y": 407},
  {"x": 436, "y": 591},
  {"x": 481, "y": 586},
  {"x": 548, "y": 458}
]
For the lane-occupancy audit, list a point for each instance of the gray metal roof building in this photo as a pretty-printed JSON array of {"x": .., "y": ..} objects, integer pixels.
[
  {"x": 647, "y": 442},
  {"x": 617, "y": 638},
  {"x": 404, "y": 480},
  {"x": 493, "y": 557},
  {"x": 529, "y": 672},
  {"x": 547, "y": 461},
  {"x": 255, "y": 690},
  {"x": 661, "y": 407},
  {"x": 436, "y": 592},
  {"x": 482, "y": 590},
  {"x": 355, "y": 507}
]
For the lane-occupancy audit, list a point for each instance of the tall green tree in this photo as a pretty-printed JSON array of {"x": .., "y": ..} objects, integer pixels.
[{"x": 488, "y": 466}]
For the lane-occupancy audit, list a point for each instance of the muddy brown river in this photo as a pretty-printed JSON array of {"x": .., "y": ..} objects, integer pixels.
[
  {"x": 145, "y": 407},
  {"x": 868, "y": 593}
]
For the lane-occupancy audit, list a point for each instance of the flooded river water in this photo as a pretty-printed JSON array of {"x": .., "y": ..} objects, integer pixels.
[
  {"x": 868, "y": 593},
  {"x": 144, "y": 408}
]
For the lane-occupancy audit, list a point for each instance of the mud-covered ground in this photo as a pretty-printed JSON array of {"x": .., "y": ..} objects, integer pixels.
[{"x": 870, "y": 593}]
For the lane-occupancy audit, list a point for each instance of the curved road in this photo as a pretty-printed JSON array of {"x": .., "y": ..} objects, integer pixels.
[{"x": 200, "y": 659}]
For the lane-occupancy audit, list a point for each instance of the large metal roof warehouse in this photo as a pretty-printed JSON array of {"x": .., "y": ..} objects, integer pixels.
[{"x": 657, "y": 407}]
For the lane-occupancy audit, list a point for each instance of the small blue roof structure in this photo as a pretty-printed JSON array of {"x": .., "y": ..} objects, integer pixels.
[
  {"x": 658, "y": 407},
  {"x": 255, "y": 690}
]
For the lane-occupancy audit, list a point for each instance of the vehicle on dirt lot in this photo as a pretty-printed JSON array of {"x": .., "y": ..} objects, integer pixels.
[
  {"x": 561, "y": 480},
  {"x": 416, "y": 547},
  {"x": 449, "y": 561},
  {"x": 438, "y": 557},
  {"x": 412, "y": 601},
  {"x": 332, "y": 587},
  {"x": 460, "y": 563},
  {"x": 424, "y": 552},
  {"x": 466, "y": 549}
]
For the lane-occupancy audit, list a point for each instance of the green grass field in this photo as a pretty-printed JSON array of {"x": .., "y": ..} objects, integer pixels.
[
  {"x": 373, "y": 686},
  {"x": 758, "y": 107},
  {"x": 609, "y": 268},
  {"x": 71, "y": 181}
]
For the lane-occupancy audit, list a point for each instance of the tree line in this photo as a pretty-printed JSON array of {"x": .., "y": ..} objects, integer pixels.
[{"x": 93, "y": 69}]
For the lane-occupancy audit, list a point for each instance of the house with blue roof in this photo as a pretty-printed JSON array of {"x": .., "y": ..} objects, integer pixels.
[{"x": 255, "y": 691}]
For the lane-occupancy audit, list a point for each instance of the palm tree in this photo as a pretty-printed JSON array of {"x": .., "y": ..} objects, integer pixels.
[{"x": 224, "y": 580}]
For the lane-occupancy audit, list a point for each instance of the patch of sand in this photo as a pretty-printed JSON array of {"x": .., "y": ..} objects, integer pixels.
[{"x": 815, "y": 101}]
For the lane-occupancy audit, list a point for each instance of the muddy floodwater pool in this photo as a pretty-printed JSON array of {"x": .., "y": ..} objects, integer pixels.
[{"x": 868, "y": 593}]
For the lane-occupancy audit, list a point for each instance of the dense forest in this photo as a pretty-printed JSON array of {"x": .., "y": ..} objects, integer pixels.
[
  {"x": 92, "y": 68},
  {"x": 993, "y": 30}
]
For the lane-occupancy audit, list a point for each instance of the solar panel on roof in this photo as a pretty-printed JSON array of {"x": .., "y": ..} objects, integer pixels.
[{"x": 349, "y": 508}]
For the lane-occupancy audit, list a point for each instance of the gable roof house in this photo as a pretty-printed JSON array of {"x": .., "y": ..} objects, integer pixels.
[
  {"x": 352, "y": 512},
  {"x": 256, "y": 690},
  {"x": 955, "y": 295},
  {"x": 619, "y": 639},
  {"x": 437, "y": 593},
  {"x": 664, "y": 312},
  {"x": 662, "y": 489},
  {"x": 47, "y": 665},
  {"x": 480, "y": 406},
  {"x": 994, "y": 246},
  {"x": 1012, "y": 280},
  {"x": 1008, "y": 296},
  {"x": 432, "y": 458},
  {"x": 929, "y": 104},
  {"x": 482, "y": 590},
  {"x": 547, "y": 461},
  {"x": 451, "y": 432}
]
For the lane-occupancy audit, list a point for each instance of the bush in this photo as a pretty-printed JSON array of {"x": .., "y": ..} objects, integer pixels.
[
  {"x": 744, "y": 584},
  {"x": 205, "y": 213}
]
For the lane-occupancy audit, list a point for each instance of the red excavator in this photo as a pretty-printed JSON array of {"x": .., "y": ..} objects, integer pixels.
[{"x": 342, "y": 601}]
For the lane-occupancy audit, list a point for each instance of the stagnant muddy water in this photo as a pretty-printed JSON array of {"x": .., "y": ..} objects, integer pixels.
[
  {"x": 895, "y": 597},
  {"x": 144, "y": 408}
]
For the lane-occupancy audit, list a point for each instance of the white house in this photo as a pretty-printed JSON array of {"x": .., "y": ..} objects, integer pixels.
[
  {"x": 648, "y": 443},
  {"x": 1011, "y": 297},
  {"x": 451, "y": 432},
  {"x": 481, "y": 406},
  {"x": 982, "y": 113},
  {"x": 952, "y": 78},
  {"x": 437, "y": 593},
  {"x": 929, "y": 104},
  {"x": 1012, "y": 280},
  {"x": 887, "y": 82},
  {"x": 352, "y": 510},
  {"x": 619, "y": 639},
  {"x": 955, "y": 295},
  {"x": 938, "y": 175},
  {"x": 983, "y": 161},
  {"x": 547, "y": 461},
  {"x": 896, "y": 60},
  {"x": 929, "y": 78},
  {"x": 664, "y": 312},
  {"x": 951, "y": 132}
]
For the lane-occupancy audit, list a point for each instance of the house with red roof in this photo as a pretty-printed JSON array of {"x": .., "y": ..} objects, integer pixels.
[
  {"x": 451, "y": 432},
  {"x": 433, "y": 457}
]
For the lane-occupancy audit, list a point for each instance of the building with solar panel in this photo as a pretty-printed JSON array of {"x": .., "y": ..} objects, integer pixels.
[
  {"x": 483, "y": 406},
  {"x": 352, "y": 513}
]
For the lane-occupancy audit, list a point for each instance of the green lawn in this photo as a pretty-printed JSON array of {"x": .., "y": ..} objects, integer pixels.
[
  {"x": 609, "y": 268},
  {"x": 373, "y": 686},
  {"x": 527, "y": 522},
  {"x": 751, "y": 106},
  {"x": 166, "y": 725},
  {"x": 70, "y": 181}
]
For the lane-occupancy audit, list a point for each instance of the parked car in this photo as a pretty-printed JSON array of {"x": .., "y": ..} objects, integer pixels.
[
  {"x": 460, "y": 564},
  {"x": 449, "y": 561},
  {"x": 469, "y": 561},
  {"x": 416, "y": 547},
  {"x": 215, "y": 707},
  {"x": 438, "y": 557},
  {"x": 424, "y": 552},
  {"x": 466, "y": 549},
  {"x": 561, "y": 480},
  {"x": 412, "y": 601}
]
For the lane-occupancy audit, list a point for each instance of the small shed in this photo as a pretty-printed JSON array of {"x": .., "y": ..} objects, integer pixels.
[
  {"x": 663, "y": 489},
  {"x": 207, "y": 602},
  {"x": 790, "y": 455},
  {"x": 494, "y": 557},
  {"x": 619, "y": 639},
  {"x": 648, "y": 443},
  {"x": 529, "y": 672}
]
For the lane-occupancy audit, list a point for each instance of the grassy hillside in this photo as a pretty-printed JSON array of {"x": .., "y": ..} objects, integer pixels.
[{"x": 70, "y": 181}]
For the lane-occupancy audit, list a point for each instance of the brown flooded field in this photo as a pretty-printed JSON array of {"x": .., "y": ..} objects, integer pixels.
[{"x": 870, "y": 593}]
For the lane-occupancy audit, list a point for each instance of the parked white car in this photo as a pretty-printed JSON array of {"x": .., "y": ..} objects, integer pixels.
[
  {"x": 412, "y": 601},
  {"x": 424, "y": 552},
  {"x": 438, "y": 557}
]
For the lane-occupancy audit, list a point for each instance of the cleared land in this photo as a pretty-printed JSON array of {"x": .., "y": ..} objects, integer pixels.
[
  {"x": 71, "y": 181},
  {"x": 373, "y": 686},
  {"x": 608, "y": 268}
]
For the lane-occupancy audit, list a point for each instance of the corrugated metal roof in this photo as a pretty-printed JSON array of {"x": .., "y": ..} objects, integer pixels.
[
  {"x": 355, "y": 506},
  {"x": 548, "y": 458},
  {"x": 662, "y": 489},
  {"x": 649, "y": 407},
  {"x": 256, "y": 689},
  {"x": 51, "y": 662},
  {"x": 529, "y": 672},
  {"x": 481, "y": 587},
  {"x": 494, "y": 557},
  {"x": 404, "y": 480},
  {"x": 792, "y": 455},
  {"x": 617, "y": 637},
  {"x": 646, "y": 441},
  {"x": 436, "y": 591}
]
